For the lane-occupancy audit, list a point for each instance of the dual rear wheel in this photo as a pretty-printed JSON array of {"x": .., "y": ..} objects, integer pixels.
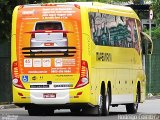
[
  {"x": 104, "y": 103},
  {"x": 132, "y": 108},
  {"x": 103, "y": 107},
  {"x": 40, "y": 112}
]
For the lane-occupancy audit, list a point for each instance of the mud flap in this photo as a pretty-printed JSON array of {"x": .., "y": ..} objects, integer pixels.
[{"x": 91, "y": 111}]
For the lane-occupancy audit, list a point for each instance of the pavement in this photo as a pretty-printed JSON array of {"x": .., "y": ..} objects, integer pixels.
[
  {"x": 7, "y": 106},
  {"x": 150, "y": 96},
  {"x": 11, "y": 105}
]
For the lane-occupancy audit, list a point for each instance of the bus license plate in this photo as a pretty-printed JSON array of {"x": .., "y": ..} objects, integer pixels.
[
  {"x": 48, "y": 44},
  {"x": 49, "y": 95}
]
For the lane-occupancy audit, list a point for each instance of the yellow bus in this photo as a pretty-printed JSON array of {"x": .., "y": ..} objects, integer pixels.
[{"x": 84, "y": 57}]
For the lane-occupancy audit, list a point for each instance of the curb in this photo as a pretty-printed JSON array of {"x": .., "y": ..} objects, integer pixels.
[
  {"x": 152, "y": 97},
  {"x": 9, "y": 106}
]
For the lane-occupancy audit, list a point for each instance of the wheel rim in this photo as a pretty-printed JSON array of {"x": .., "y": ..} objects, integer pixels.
[
  {"x": 136, "y": 104},
  {"x": 107, "y": 101},
  {"x": 100, "y": 104}
]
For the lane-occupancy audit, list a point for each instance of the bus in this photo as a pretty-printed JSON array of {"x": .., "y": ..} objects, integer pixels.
[{"x": 82, "y": 56}]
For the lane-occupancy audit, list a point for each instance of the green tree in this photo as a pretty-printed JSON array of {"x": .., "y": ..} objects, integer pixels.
[
  {"x": 156, "y": 9},
  {"x": 6, "y": 8}
]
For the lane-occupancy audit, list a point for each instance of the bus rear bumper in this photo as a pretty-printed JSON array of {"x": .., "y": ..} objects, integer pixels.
[{"x": 51, "y": 97}]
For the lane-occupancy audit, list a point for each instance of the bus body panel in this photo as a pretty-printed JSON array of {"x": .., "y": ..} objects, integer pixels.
[
  {"x": 121, "y": 66},
  {"x": 51, "y": 78}
]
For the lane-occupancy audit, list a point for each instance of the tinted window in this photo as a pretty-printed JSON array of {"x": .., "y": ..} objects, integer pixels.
[{"x": 109, "y": 30}]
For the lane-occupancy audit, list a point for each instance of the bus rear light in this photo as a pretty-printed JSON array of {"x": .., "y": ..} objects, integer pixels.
[
  {"x": 20, "y": 94},
  {"x": 76, "y": 96},
  {"x": 79, "y": 93},
  {"x": 17, "y": 83},
  {"x": 23, "y": 97},
  {"x": 64, "y": 35},
  {"x": 33, "y": 35},
  {"x": 20, "y": 7},
  {"x": 84, "y": 77},
  {"x": 48, "y": 31},
  {"x": 15, "y": 76},
  {"x": 77, "y": 6},
  {"x": 15, "y": 72},
  {"x": 49, "y": 4}
]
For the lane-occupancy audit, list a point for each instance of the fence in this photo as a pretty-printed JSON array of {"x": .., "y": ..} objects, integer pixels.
[{"x": 154, "y": 85}]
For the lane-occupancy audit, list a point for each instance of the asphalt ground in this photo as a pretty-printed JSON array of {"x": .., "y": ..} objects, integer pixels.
[{"x": 11, "y": 105}]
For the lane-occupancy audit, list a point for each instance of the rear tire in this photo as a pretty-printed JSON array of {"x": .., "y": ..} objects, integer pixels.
[
  {"x": 104, "y": 104},
  {"x": 75, "y": 110},
  {"x": 40, "y": 112},
  {"x": 132, "y": 108},
  {"x": 35, "y": 112}
]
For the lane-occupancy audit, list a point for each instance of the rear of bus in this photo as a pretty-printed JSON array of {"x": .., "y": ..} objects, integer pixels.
[{"x": 48, "y": 74}]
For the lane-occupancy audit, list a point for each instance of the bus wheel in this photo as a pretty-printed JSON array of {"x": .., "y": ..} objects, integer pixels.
[
  {"x": 132, "y": 108},
  {"x": 49, "y": 112},
  {"x": 104, "y": 103},
  {"x": 34, "y": 112},
  {"x": 40, "y": 112},
  {"x": 75, "y": 110},
  {"x": 107, "y": 102}
]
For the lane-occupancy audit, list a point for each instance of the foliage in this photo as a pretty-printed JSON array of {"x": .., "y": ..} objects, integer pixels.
[
  {"x": 6, "y": 8},
  {"x": 4, "y": 20},
  {"x": 156, "y": 9},
  {"x": 156, "y": 33}
]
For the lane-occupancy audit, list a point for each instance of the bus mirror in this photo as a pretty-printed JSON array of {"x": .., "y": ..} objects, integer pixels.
[{"x": 147, "y": 44}]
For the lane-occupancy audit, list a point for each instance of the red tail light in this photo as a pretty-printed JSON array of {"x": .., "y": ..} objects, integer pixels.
[
  {"x": 33, "y": 35},
  {"x": 77, "y": 6},
  {"x": 49, "y": 4},
  {"x": 20, "y": 7},
  {"x": 84, "y": 75},
  {"x": 15, "y": 76},
  {"x": 64, "y": 35},
  {"x": 48, "y": 31}
]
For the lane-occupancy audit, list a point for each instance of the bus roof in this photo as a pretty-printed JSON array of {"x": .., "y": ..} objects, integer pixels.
[
  {"x": 128, "y": 11},
  {"x": 95, "y": 5}
]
